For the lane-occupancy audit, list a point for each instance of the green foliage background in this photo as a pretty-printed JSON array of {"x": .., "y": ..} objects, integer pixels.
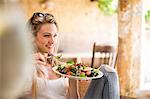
[
  {"x": 147, "y": 16},
  {"x": 107, "y": 8}
]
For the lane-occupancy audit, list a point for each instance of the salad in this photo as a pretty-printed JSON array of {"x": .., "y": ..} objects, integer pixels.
[{"x": 79, "y": 70}]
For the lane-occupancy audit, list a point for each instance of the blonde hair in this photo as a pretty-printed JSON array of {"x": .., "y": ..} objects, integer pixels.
[{"x": 38, "y": 19}]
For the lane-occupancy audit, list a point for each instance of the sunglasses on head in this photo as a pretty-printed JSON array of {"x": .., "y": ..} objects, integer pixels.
[{"x": 39, "y": 17}]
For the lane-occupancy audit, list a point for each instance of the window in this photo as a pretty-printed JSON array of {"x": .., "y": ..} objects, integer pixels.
[{"x": 145, "y": 63}]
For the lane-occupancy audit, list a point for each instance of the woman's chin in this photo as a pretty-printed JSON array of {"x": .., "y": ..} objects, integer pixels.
[{"x": 50, "y": 51}]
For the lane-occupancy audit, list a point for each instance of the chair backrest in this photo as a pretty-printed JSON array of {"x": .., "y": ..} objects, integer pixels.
[{"x": 107, "y": 55}]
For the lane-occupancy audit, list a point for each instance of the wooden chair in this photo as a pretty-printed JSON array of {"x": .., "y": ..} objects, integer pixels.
[{"x": 107, "y": 55}]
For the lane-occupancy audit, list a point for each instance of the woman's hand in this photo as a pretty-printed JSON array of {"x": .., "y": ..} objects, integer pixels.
[
  {"x": 40, "y": 59},
  {"x": 40, "y": 63}
]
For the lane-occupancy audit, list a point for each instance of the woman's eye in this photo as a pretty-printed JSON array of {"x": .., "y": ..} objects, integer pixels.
[{"x": 46, "y": 35}]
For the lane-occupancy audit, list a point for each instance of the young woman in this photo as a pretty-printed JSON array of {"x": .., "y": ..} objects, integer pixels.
[{"x": 45, "y": 83}]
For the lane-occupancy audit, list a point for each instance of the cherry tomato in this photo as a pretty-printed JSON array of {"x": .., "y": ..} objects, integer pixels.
[
  {"x": 88, "y": 73},
  {"x": 69, "y": 73}
]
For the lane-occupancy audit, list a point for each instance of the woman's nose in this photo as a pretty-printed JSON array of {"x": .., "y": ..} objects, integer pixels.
[{"x": 51, "y": 40}]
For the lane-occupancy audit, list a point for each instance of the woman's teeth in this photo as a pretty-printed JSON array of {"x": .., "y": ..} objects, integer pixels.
[{"x": 49, "y": 46}]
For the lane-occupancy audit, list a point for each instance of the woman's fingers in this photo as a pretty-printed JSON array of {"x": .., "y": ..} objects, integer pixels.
[
  {"x": 39, "y": 56},
  {"x": 40, "y": 62},
  {"x": 39, "y": 59}
]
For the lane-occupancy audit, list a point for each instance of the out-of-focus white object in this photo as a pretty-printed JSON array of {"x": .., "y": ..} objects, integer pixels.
[
  {"x": 144, "y": 94},
  {"x": 15, "y": 50}
]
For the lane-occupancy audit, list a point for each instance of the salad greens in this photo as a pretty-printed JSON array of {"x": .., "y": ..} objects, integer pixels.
[{"x": 80, "y": 70}]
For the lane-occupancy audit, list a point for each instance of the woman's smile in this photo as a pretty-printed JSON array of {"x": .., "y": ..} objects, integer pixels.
[{"x": 49, "y": 46}]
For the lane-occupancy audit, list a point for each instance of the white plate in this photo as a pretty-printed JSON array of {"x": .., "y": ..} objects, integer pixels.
[{"x": 76, "y": 77}]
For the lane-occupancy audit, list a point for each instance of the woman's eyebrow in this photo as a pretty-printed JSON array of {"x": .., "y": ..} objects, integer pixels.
[
  {"x": 47, "y": 33},
  {"x": 50, "y": 33}
]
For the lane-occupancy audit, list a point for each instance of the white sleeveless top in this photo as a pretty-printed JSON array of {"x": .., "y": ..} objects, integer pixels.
[
  {"x": 52, "y": 89},
  {"x": 48, "y": 89}
]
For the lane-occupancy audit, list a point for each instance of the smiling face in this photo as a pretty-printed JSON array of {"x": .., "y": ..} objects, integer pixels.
[{"x": 46, "y": 38}]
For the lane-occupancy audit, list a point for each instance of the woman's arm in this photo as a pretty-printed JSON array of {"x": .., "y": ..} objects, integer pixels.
[{"x": 73, "y": 89}]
